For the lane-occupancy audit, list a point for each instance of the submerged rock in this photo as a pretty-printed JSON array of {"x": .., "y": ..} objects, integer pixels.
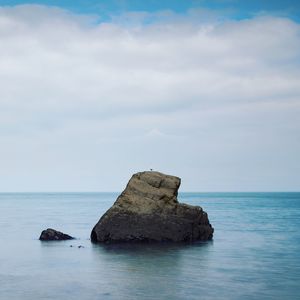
[
  {"x": 148, "y": 211},
  {"x": 54, "y": 235}
]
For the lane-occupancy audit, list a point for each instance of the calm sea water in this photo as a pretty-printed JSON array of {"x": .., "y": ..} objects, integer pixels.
[{"x": 255, "y": 253}]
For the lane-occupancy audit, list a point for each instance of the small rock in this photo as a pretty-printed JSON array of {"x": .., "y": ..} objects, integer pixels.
[{"x": 54, "y": 235}]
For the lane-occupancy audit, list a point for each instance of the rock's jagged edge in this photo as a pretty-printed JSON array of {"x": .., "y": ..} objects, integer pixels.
[{"x": 148, "y": 211}]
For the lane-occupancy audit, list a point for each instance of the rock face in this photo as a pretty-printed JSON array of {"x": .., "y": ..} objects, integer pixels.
[
  {"x": 54, "y": 235},
  {"x": 148, "y": 211}
]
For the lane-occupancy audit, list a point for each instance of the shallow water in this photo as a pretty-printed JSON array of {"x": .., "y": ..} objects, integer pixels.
[{"x": 255, "y": 253}]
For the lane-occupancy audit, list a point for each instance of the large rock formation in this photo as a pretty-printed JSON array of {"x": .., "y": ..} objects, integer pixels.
[
  {"x": 148, "y": 211},
  {"x": 54, "y": 235}
]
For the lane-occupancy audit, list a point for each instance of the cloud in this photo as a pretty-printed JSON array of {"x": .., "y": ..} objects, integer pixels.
[{"x": 85, "y": 94}]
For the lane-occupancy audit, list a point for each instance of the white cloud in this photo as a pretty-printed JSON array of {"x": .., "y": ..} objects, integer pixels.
[{"x": 78, "y": 98}]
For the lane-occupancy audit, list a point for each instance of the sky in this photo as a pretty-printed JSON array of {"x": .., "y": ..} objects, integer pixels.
[{"x": 94, "y": 91}]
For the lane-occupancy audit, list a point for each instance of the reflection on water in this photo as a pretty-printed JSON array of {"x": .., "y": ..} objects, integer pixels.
[
  {"x": 150, "y": 249},
  {"x": 156, "y": 270}
]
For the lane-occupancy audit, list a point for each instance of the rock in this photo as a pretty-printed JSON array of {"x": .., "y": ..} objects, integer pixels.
[
  {"x": 54, "y": 235},
  {"x": 148, "y": 211}
]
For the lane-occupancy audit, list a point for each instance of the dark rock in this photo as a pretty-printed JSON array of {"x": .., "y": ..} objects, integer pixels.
[
  {"x": 54, "y": 235},
  {"x": 148, "y": 211}
]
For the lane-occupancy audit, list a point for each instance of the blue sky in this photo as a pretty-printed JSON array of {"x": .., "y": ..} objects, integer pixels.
[
  {"x": 237, "y": 9},
  {"x": 94, "y": 91}
]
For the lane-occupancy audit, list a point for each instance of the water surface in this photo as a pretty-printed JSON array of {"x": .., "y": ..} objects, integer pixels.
[{"x": 255, "y": 253}]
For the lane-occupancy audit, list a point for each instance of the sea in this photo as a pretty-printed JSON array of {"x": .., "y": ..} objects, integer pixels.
[{"x": 255, "y": 252}]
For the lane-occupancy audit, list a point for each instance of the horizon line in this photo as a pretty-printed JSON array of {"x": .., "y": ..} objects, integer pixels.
[{"x": 114, "y": 192}]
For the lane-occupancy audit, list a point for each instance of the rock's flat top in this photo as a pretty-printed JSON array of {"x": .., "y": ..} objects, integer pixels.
[
  {"x": 148, "y": 210},
  {"x": 54, "y": 235}
]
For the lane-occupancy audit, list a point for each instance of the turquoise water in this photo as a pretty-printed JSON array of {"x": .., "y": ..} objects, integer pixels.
[{"x": 255, "y": 253}]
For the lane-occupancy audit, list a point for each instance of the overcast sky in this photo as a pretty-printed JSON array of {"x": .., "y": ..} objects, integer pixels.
[{"x": 91, "y": 94}]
